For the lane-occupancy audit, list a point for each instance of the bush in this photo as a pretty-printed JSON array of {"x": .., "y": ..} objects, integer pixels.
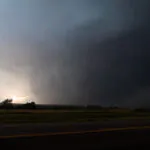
[{"x": 31, "y": 105}]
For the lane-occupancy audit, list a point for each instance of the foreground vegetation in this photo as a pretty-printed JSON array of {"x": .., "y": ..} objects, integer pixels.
[{"x": 57, "y": 116}]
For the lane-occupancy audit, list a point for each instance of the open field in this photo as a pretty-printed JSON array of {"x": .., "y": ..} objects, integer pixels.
[{"x": 55, "y": 116}]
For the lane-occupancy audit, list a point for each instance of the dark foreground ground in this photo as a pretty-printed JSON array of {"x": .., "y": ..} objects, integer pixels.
[
  {"x": 22, "y": 116},
  {"x": 129, "y": 139},
  {"x": 103, "y": 135}
]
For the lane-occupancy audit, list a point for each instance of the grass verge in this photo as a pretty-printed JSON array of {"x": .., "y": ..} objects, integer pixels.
[{"x": 56, "y": 116}]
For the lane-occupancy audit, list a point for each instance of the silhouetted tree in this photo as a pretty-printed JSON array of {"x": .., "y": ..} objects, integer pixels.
[
  {"x": 7, "y": 104},
  {"x": 29, "y": 105}
]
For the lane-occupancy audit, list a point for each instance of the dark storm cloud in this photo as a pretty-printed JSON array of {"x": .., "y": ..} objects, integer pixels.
[
  {"x": 80, "y": 52},
  {"x": 117, "y": 68}
]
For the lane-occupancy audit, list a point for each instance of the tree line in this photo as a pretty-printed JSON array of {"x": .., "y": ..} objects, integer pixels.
[{"x": 8, "y": 104}]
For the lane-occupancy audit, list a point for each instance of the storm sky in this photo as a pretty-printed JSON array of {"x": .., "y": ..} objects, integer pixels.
[{"x": 76, "y": 51}]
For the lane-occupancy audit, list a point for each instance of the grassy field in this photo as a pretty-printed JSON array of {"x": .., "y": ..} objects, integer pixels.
[{"x": 55, "y": 116}]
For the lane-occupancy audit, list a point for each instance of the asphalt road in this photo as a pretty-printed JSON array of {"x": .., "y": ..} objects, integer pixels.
[
  {"x": 129, "y": 135},
  {"x": 19, "y": 129},
  {"x": 128, "y": 139}
]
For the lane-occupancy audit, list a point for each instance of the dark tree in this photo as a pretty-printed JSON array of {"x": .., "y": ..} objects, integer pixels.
[
  {"x": 29, "y": 105},
  {"x": 7, "y": 104}
]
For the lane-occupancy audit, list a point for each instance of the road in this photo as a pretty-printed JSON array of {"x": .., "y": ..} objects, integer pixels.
[{"x": 84, "y": 136}]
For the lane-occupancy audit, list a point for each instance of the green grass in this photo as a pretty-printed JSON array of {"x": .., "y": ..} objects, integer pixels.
[{"x": 55, "y": 116}]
